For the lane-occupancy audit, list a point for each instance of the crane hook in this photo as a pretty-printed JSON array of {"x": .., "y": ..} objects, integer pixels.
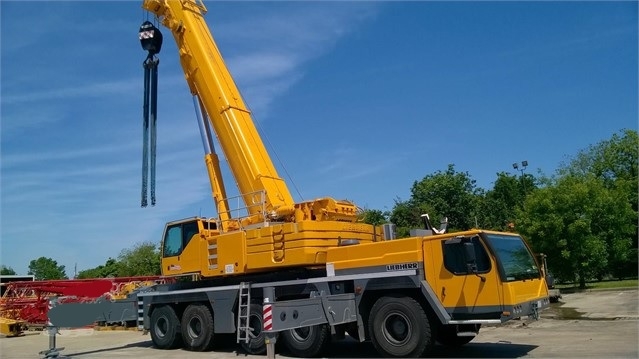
[{"x": 150, "y": 38}]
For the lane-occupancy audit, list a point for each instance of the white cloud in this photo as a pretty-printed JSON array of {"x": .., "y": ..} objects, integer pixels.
[
  {"x": 17, "y": 159},
  {"x": 115, "y": 88}
]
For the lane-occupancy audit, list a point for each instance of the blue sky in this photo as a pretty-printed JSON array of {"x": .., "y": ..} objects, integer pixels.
[{"x": 356, "y": 100}]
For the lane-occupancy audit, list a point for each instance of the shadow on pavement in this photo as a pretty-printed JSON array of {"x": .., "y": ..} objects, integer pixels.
[
  {"x": 351, "y": 349},
  {"x": 143, "y": 344}
]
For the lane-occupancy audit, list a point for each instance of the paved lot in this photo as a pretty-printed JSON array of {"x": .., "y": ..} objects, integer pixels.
[{"x": 593, "y": 324}]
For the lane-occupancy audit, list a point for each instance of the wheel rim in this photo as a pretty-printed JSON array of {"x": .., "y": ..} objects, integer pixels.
[
  {"x": 161, "y": 327},
  {"x": 194, "y": 327},
  {"x": 397, "y": 329},
  {"x": 301, "y": 334},
  {"x": 255, "y": 324}
]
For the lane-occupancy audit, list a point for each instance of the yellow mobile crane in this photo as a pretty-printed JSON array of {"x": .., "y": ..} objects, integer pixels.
[{"x": 309, "y": 271}]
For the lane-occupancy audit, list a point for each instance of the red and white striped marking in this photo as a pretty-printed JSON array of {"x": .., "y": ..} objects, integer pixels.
[{"x": 267, "y": 313}]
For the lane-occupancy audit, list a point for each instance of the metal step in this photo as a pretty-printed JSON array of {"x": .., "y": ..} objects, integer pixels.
[
  {"x": 244, "y": 312},
  {"x": 140, "y": 315}
]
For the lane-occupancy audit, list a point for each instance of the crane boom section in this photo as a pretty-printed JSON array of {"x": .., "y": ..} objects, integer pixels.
[{"x": 209, "y": 78}]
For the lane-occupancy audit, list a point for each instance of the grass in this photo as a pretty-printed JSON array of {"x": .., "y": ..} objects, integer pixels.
[{"x": 609, "y": 284}]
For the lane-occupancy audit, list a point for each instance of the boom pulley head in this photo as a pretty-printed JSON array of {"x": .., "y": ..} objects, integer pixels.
[{"x": 150, "y": 38}]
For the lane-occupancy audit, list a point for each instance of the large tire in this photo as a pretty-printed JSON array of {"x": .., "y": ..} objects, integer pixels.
[
  {"x": 256, "y": 344},
  {"x": 165, "y": 328},
  {"x": 447, "y": 334},
  {"x": 197, "y": 328},
  {"x": 307, "y": 342},
  {"x": 399, "y": 327}
]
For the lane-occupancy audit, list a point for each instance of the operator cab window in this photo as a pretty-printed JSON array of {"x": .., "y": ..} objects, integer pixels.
[
  {"x": 177, "y": 237},
  {"x": 455, "y": 258}
]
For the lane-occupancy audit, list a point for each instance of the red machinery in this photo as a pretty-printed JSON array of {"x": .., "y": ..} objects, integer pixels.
[{"x": 29, "y": 300}]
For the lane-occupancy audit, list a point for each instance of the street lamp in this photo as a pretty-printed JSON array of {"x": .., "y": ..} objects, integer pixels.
[
  {"x": 517, "y": 167},
  {"x": 524, "y": 164}
]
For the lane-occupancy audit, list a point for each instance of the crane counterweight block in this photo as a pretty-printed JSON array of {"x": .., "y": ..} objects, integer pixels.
[{"x": 150, "y": 38}]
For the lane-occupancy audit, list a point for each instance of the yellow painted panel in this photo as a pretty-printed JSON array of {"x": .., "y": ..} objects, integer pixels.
[
  {"x": 519, "y": 292},
  {"x": 376, "y": 254},
  {"x": 432, "y": 259},
  {"x": 310, "y": 256}
]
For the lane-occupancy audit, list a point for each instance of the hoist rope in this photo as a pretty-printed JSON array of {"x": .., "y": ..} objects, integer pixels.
[{"x": 149, "y": 129}]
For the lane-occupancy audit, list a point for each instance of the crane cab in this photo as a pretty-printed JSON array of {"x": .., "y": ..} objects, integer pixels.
[{"x": 182, "y": 245}]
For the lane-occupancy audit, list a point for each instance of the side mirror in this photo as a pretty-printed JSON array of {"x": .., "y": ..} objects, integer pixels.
[
  {"x": 471, "y": 259},
  {"x": 469, "y": 253}
]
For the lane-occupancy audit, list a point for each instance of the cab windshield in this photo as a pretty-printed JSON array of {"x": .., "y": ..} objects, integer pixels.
[{"x": 515, "y": 260}]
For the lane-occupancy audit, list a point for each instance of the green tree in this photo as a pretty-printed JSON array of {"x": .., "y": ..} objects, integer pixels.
[
  {"x": 142, "y": 259},
  {"x": 449, "y": 194},
  {"x": 610, "y": 160},
  {"x": 45, "y": 268},
  {"x": 614, "y": 162},
  {"x": 4, "y": 270},
  {"x": 406, "y": 215},
  {"x": 497, "y": 208},
  {"x": 374, "y": 216},
  {"x": 575, "y": 222},
  {"x": 110, "y": 269}
]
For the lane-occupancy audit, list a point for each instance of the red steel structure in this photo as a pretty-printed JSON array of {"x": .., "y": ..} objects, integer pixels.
[{"x": 29, "y": 300}]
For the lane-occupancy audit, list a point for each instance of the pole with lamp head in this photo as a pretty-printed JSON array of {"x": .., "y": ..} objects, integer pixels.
[{"x": 521, "y": 167}]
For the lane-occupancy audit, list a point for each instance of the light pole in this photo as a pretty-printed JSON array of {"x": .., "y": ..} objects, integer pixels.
[{"x": 517, "y": 167}]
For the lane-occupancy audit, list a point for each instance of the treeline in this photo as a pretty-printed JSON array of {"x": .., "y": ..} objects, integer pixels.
[
  {"x": 141, "y": 260},
  {"x": 584, "y": 217}
]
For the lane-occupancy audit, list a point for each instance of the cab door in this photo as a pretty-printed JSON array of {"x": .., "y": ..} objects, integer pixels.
[
  {"x": 179, "y": 253},
  {"x": 468, "y": 288}
]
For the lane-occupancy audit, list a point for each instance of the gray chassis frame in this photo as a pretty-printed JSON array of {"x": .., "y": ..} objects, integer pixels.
[{"x": 328, "y": 299}]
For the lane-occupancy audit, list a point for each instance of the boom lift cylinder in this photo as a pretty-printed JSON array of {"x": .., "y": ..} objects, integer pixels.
[{"x": 212, "y": 164}]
